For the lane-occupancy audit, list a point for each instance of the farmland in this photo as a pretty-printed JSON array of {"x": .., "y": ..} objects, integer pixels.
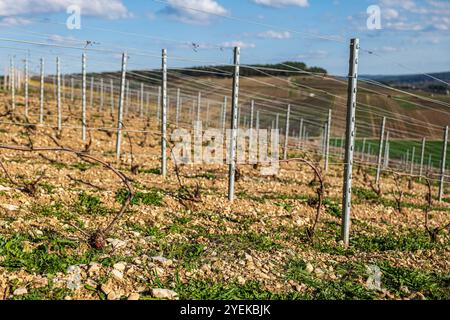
[{"x": 182, "y": 235}]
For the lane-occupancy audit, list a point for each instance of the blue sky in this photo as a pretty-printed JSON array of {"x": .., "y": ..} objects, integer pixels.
[{"x": 414, "y": 34}]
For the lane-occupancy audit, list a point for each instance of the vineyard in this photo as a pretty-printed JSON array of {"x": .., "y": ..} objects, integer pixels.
[
  {"x": 182, "y": 234},
  {"x": 94, "y": 205}
]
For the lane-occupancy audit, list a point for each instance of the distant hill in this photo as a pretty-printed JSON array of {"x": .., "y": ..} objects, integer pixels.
[
  {"x": 415, "y": 81},
  {"x": 249, "y": 71},
  {"x": 410, "y": 78},
  {"x": 224, "y": 71}
]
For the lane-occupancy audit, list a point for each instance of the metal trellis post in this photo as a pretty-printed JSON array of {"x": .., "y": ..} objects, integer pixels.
[
  {"x": 286, "y": 132},
  {"x": 224, "y": 115},
  {"x": 422, "y": 155},
  {"x": 412, "y": 160},
  {"x": 386, "y": 151},
  {"x": 350, "y": 139},
  {"x": 13, "y": 84},
  {"x": 58, "y": 92},
  {"x": 26, "y": 87},
  {"x": 234, "y": 115},
  {"x": 380, "y": 150},
  {"x": 41, "y": 109},
  {"x": 444, "y": 156},
  {"x": 121, "y": 100},
  {"x": 177, "y": 107},
  {"x": 327, "y": 141},
  {"x": 83, "y": 97},
  {"x": 164, "y": 114},
  {"x": 300, "y": 133}
]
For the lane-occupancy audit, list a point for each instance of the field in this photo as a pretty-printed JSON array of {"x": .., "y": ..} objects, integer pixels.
[
  {"x": 181, "y": 234},
  {"x": 402, "y": 148}
]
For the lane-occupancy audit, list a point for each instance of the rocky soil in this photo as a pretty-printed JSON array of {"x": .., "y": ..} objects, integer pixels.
[{"x": 170, "y": 246}]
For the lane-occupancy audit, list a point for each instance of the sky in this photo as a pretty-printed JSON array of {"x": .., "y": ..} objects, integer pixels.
[{"x": 408, "y": 36}]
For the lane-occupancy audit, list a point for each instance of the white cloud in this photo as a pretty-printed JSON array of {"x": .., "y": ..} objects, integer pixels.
[
  {"x": 241, "y": 44},
  {"x": 440, "y": 23},
  {"x": 412, "y": 15},
  {"x": 56, "y": 38},
  {"x": 314, "y": 54},
  {"x": 14, "y": 22},
  {"x": 403, "y": 26},
  {"x": 387, "y": 49},
  {"x": 429, "y": 7},
  {"x": 408, "y": 5},
  {"x": 390, "y": 14},
  {"x": 275, "y": 35},
  {"x": 194, "y": 11},
  {"x": 111, "y": 9},
  {"x": 440, "y": 4},
  {"x": 282, "y": 3}
]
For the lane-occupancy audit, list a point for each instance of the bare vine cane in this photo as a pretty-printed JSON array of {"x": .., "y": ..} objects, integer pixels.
[
  {"x": 320, "y": 191},
  {"x": 432, "y": 232},
  {"x": 187, "y": 195},
  {"x": 97, "y": 239}
]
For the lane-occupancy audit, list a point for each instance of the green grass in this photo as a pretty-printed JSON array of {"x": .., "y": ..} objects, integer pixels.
[
  {"x": 214, "y": 290},
  {"x": 405, "y": 104},
  {"x": 431, "y": 285},
  {"x": 156, "y": 171},
  {"x": 49, "y": 210},
  {"x": 88, "y": 204},
  {"x": 46, "y": 293},
  {"x": 188, "y": 253},
  {"x": 332, "y": 208},
  {"x": 154, "y": 232},
  {"x": 153, "y": 197},
  {"x": 411, "y": 240},
  {"x": 349, "y": 286},
  {"x": 51, "y": 254},
  {"x": 47, "y": 187},
  {"x": 83, "y": 166},
  {"x": 362, "y": 195},
  {"x": 205, "y": 175},
  {"x": 398, "y": 148},
  {"x": 271, "y": 196}
]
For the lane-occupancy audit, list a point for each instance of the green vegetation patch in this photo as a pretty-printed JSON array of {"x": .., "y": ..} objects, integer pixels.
[
  {"x": 153, "y": 197},
  {"x": 47, "y": 254},
  {"x": 216, "y": 290},
  {"x": 411, "y": 240},
  {"x": 90, "y": 205},
  {"x": 189, "y": 253},
  {"x": 245, "y": 241},
  {"x": 349, "y": 285},
  {"x": 431, "y": 285}
]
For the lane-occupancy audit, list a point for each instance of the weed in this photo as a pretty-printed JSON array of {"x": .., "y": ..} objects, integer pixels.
[
  {"x": 188, "y": 253},
  {"x": 206, "y": 175},
  {"x": 45, "y": 293},
  {"x": 156, "y": 171},
  {"x": 409, "y": 241},
  {"x": 213, "y": 290},
  {"x": 250, "y": 240},
  {"x": 332, "y": 208},
  {"x": 153, "y": 197},
  {"x": 365, "y": 195},
  {"x": 347, "y": 286},
  {"x": 432, "y": 285},
  {"x": 50, "y": 255},
  {"x": 83, "y": 166},
  {"x": 90, "y": 205},
  {"x": 47, "y": 187}
]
